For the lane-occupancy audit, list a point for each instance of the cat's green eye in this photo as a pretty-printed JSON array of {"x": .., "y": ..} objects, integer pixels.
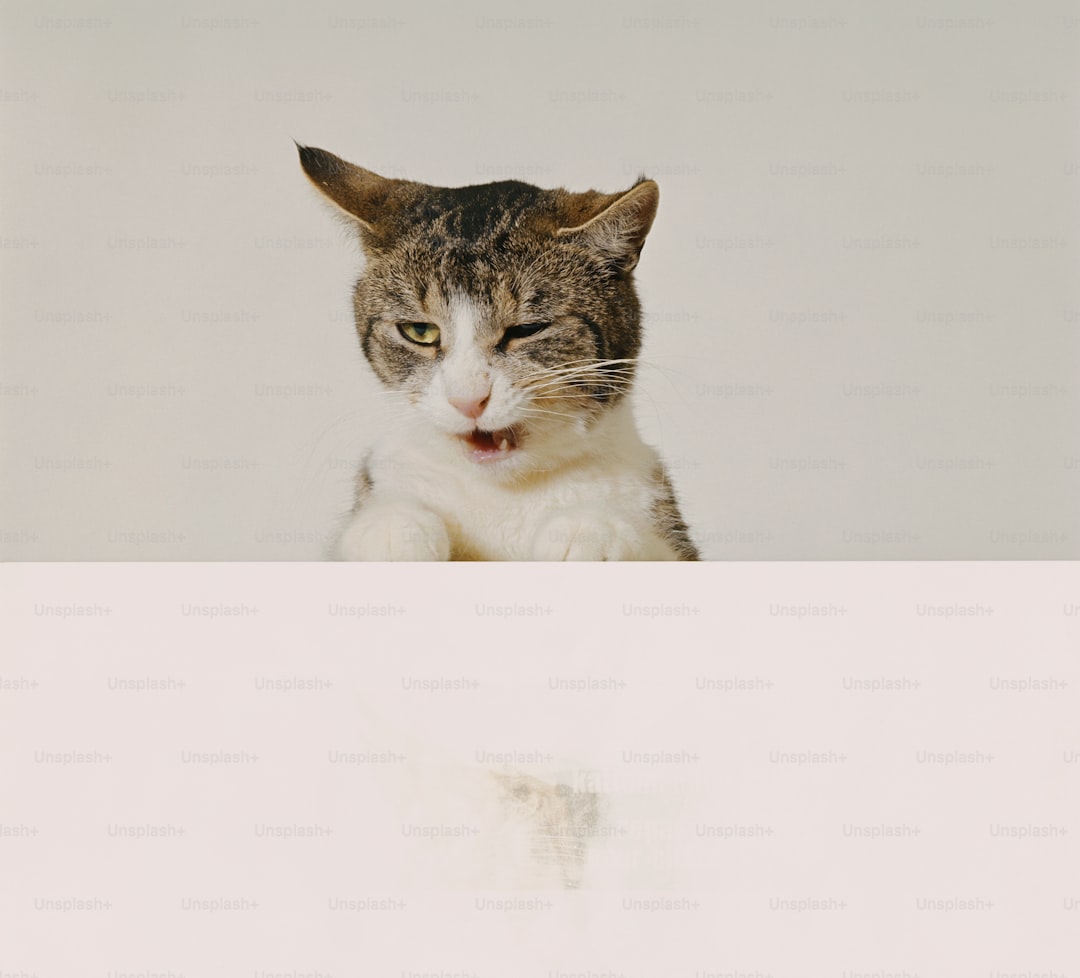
[
  {"x": 426, "y": 334},
  {"x": 526, "y": 329}
]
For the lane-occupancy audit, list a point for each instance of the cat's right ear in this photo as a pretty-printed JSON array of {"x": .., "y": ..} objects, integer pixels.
[
  {"x": 614, "y": 225},
  {"x": 361, "y": 194}
]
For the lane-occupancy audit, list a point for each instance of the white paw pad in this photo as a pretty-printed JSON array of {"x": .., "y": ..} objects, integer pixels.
[
  {"x": 585, "y": 535},
  {"x": 394, "y": 532}
]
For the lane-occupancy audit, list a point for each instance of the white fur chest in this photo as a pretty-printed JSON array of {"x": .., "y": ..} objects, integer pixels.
[{"x": 595, "y": 507}]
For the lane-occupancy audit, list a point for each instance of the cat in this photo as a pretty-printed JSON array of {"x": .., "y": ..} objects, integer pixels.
[{"x": 505, "y": 318}]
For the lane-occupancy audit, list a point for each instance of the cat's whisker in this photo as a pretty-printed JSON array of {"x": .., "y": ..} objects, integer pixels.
[
  {"x": 582, "y": 367},
  {"x": 668, "y": 373},
  {"x": 623, "y": 364},
  {"x": 588, "y": 365},
  {"x": 581, "y": 390},
  {"x": 578, "y": 390},
  {"x": 593, "y": 360},
  {"x": 583, "y": 385},
  {"x": 558, "y": 375},
  {"x": 543, "y": 412},
  {"x": 592, "y": 363},
  {"x": 586, "y": 380},
  {"x": 347, "y": 418}
]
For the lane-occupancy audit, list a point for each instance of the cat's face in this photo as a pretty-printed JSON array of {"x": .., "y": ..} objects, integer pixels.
[{"x": 504, "y": 313}]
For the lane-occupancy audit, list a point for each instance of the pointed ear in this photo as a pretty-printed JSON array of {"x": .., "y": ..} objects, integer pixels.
[
  {"x": 359, "y": 192},
  {"x": 618, "y": 230}
]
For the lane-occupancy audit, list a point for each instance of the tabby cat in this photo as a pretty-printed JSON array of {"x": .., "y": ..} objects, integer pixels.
[{"x": 505, "y": 319}]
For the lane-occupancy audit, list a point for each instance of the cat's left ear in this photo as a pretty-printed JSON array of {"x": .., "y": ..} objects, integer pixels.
[
  {"x": 618, "y": 231},
  {"x": 361, "y": 194}
]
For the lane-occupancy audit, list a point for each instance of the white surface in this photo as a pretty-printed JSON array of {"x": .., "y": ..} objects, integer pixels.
[
  {"x": 973, "y": 744},
  {"x": 850, "y": 198}
]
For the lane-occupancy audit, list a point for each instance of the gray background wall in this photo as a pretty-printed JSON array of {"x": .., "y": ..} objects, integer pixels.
[{"x": 861, "y": 291}]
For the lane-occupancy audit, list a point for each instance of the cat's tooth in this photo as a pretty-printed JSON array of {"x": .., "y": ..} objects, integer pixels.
[{"x": 503, "y": 445}]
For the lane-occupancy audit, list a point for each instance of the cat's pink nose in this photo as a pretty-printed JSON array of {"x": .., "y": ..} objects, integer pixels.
[{"x": 471, "y": 407}]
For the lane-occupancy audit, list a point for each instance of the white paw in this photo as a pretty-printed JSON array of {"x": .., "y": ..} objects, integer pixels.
[
  {"x": 394, "y": 531},
  {"x": 586, "y": 534}
]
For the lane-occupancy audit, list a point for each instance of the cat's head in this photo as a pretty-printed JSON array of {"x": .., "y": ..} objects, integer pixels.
[{"x": 505, "y": 313}]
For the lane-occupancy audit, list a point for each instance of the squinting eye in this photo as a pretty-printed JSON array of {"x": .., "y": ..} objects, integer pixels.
[
  {"x": 426, "y": 334},
  {"x": 526, "y": 329}
]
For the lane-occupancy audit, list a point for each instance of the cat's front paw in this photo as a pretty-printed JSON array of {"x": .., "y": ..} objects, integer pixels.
[
  {"x": 586, "y": 534},
  {"x": 394, "y": 531}
]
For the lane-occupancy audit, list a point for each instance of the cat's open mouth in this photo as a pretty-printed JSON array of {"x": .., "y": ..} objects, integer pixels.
[{"x": 490, "y": 446}]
